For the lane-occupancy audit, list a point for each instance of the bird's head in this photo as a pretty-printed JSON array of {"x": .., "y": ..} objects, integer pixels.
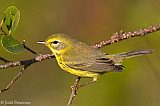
[{"x": 58, "y": 43}]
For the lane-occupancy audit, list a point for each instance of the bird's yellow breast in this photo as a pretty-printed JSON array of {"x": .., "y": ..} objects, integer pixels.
[{"x": 74, "y": 71}]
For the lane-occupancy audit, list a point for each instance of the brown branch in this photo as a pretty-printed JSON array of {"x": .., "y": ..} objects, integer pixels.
[
  {"x": 74, "y": 89},
  {"x": 114, "y": 38},
  {"x": 27, "y": 63},
  {"x": 14, "y": 80}
]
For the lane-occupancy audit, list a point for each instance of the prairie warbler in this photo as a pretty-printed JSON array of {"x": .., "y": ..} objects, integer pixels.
[{"x": 82, "y": 60}]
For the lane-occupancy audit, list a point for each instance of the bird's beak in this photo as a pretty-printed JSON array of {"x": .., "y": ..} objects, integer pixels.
[{"x": 41, "y": 42}]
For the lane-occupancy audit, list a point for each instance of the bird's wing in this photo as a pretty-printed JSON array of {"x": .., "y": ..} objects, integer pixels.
[{"x": 100, "y": 65}]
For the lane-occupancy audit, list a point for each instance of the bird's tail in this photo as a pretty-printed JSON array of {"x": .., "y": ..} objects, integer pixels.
[
  {"x": 117, "y": 58},
  {"x": 134, "y": 53}
]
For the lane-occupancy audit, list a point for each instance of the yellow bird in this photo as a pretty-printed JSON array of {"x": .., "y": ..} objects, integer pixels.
[{"x": 82, "y": 60}]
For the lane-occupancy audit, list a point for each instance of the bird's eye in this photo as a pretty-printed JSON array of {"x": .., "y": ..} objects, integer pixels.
[{"x": 55, "y": 42}]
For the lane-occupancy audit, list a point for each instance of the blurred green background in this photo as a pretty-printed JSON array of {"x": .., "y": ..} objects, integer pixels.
[{"x": 91, "y": 21}]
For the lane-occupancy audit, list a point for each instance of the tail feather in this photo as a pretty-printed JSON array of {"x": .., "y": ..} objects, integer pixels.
[
  {"x": 135, "y": 53},
  {"x": 118, "y": 58}
]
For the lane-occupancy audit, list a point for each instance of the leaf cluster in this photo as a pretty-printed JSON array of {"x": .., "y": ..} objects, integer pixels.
[{"x": 8, "y": 26}]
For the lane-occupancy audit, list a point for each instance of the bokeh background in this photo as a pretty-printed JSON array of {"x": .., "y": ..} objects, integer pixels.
[{"x": 91, "y": 21}]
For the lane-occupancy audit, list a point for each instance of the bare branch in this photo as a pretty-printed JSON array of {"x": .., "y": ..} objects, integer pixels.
[
  {"x": 74, "y": 89},
  {"x": 39, "y": 58},
  {"x": 13, "y": 81},
  {"x": 116, "y": 37}
]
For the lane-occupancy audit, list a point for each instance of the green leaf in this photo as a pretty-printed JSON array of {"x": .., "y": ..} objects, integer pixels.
[
  {"x": 11, "y": 45},
  {"x": 11, "y": 20}
]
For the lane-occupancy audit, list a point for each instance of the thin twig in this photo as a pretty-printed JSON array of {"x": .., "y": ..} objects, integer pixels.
[
  {"x": 14, "y": 80},
  {"x": 27, "y": 48},
  {"x": 4, "y": 60},
  {"x": 74, "y": 89}
]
